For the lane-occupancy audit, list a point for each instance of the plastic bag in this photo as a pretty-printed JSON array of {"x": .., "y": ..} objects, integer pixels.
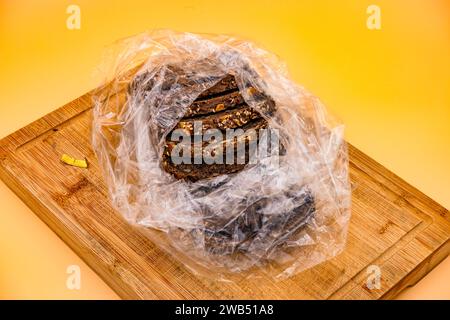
[{"x": 279, "y": 215}]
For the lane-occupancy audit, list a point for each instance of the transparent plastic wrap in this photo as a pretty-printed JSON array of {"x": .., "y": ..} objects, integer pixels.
[{"x": 275, "y": 210}]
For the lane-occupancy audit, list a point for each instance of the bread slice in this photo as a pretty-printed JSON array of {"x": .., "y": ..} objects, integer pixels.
[
  {"x": 228, "y": 119},
  {"x": 213, "y": 104},
  {"x": 250, "y": 134}
]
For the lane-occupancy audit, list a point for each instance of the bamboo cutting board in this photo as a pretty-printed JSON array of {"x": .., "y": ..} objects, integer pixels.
[{"x": 393, "y": 226}]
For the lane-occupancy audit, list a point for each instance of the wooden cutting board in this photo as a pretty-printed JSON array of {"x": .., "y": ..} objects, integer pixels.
[{"x": 393, "y": 227}]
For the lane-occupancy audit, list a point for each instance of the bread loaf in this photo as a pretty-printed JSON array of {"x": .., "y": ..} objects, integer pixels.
[{"x": 223, "y": 107}]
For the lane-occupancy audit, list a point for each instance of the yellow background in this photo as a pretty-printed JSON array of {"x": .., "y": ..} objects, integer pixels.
[{"x": 391, "y": 87}]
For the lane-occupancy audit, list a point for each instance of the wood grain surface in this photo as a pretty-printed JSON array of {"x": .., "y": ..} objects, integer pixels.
[{"x": 393, "y": 226}]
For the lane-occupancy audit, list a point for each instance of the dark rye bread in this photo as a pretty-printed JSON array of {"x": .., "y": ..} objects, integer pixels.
[
  {"x": 213, "y": 104},
  {"x": 224, "y": 85},
  {"x": 228, "y": 119},
  {"x": 222, "y": 107},
  {"x": 193, "y": 172},
  {"x": 249, "y": 135},
  {"x": 171, "y": 77}
]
